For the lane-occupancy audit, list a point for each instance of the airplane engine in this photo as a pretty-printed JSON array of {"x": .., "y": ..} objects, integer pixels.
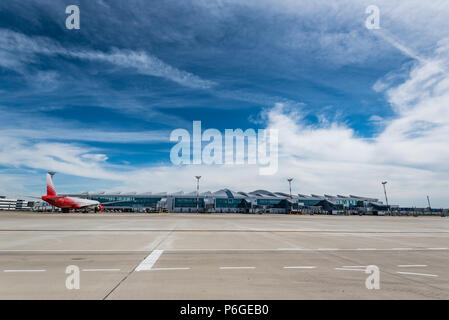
[{"x": 99, "y": 208}]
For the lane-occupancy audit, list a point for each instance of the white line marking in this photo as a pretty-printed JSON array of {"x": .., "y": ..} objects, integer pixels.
[
  {"x": 411, "y": 265},
  {"x": 354, "y": 266},
  {"x": 300, "y": 267},
  {"x": 229, "y": 268},
  {"x": 349, "y": 269},
  {"x": 150, "y": 260},
  {"x": 220, "y": 249},
  {"x": 24, "y": 270},
  {"x": 418, "y": 274},
  {"x": 71, "y": 250},
  {"x": 153, "y": 269},
  {"x": 100, "y": 270},
  {"x": 298, "y": 249}
]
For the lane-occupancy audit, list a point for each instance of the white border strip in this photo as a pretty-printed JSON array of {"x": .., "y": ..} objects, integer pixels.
[
  {"x": 411, "y": 265},
  {"x": 220, "y": 249},
  {"x": 232, "y": 268},
  {"x": 25, "y": 270},
  {"x": 350, "y": 269},
  {"x": 417, "y": 274},
  {"x": 100, "y": 270},
  {"x": 162, "y": 269}
]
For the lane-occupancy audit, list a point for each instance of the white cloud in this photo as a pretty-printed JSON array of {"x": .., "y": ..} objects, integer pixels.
[
  {"x": 376, "y": 118},
  {"x": 17, "y": 49},
  {"x": 61, "y": 157},
  {"x": 19, "y": 124},
  {"x": 146, "y": 64},
  {"x": 97, "y": 157},
  {"x": 58, "y": 133},
  {"x": 412, "y": 152}
]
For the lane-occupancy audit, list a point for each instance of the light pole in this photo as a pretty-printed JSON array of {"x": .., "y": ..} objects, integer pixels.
[
  {"x": 290, "y": 185},
  {"x": 385, "y": 192},
  {"x": 197, "y": 193},
  {"x": 291, "y": 198}
]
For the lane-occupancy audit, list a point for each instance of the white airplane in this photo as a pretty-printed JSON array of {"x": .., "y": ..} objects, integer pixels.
[{"x": 69, "y": 203}]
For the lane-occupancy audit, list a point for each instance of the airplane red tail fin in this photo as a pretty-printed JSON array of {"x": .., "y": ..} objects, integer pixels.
[{"x": 50, "y": 188}]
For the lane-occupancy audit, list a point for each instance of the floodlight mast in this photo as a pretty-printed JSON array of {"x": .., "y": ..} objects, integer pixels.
[
  {"x": 197, "y": 194},
  {"x": 385, "y": 192},
  {"x": 291, "y": 198}
]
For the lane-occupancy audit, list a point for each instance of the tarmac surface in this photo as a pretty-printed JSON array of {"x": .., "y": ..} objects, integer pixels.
[{"x": 222, "y": 256}]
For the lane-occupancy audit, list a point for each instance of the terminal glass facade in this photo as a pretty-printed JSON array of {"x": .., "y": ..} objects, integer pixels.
[
  {"x": 188, "y": 202},
  {"x": 133, "y": 202},
  {"x": 347, "y": 202},
  {"x": 231, "y": 203},
  {"x": 309, "y": 202},
  {"x": 273, "y": 203}
]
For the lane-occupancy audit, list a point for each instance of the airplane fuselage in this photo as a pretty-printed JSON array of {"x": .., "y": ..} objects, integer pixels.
[{"x": 71, "y": 202}]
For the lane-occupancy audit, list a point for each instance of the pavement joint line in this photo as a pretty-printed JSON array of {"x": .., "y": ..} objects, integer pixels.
[
  {"x": 137, "y": 267},
  {"x": 300, "y": 267},
  {"x": 411, "y": 265},
  {"x": 41, "y": 270},
  {"x": 417, "y": 274},
  {"x": 129, "y": 273},
  {"x": 232, "y": 268},
  {"x": 437, "y": 248},
  {"x": 150, "y": 260},
  {"x": 100, "y": 270},
  {"x": 402, "y": 249}
]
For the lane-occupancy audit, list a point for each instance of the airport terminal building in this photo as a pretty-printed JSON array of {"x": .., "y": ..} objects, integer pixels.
[
  {"x": 227, "y": 201},
  {"x": 14, "y": 204}
]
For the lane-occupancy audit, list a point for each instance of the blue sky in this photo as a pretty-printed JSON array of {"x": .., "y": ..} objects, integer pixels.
[{"x": 98, "y": 104}]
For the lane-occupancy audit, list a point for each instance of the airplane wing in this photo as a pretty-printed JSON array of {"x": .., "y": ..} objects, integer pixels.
[
  {"x": 54, "y": 198},
  {"x": 111, "y": 202},
  {"x": 93, "y": 205}
]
